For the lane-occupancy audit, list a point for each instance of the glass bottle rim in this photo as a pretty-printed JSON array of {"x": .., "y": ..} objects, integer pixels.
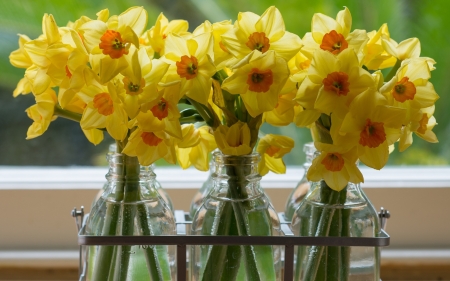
[{"x": 247, "y": 159}]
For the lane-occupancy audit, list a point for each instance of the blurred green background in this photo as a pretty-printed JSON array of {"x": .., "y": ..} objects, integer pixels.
[{"x": 65, "y": 144}]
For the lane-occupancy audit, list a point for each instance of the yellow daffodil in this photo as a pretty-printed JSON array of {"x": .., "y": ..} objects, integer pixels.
[
  {"x": 272, "y": 148},
  {"x": 336, "y": 164},
  {"x": 259, "y": 79},
  {"x": 234, "y": 140},
  {"x": 77, "y": 71},
  {"x": 104, "y": 109},
  {"x": 41, "y": 113},
  {"x": 222, "y": 57},
  {"x": 375, "y": 56},
  {"x": 283, "y": 113},
  {"x": 140, "y": 80},
  {"x": 162, "y": 28},
  {"x": 333, "y": 35},
  {"x": 160, "y": 113},
  {"x": 49, "y": 57},
  {"x": 77, "y": 105},
  {"x": 195, "y": 147},
  {"x": 192, "y": 65},
  {"x": 150, "y": 146},
  {"x": 333, "y": 82},
  {"x": 261, "y": 33},
  {"x": 410, "y": 88},
  {"x": 111, "y": 40},
  {"x": 372, "y": 126},
  {"x": 422, "y": 124}
]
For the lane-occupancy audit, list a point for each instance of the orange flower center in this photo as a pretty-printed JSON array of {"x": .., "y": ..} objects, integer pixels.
[
  {"x": 150, "y": 139},
  {"x": 272, "y": 150},
  {"x": 334, "y": 42},
  {"x": 333, "y": 162},
  {"x": 404, "y": 90},
  {"x": 112, "y": 44},
  {"x": 373, "y": 134},
  {"x": 187, "y": 67},
  {"x": 337, "y": 82},
  {"x": 68, "y": 73},
  {"x": 423, "y": 124},
  {"x": 104, "y": 104},
  {"x": 161, "y": 110},
  {"x": 258, "y": 41},
  {"x": 259, "y": 80},
  {"x": 133, "y": 89}
]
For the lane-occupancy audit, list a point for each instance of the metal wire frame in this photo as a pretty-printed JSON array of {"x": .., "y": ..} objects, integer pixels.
[{"x": 181, "y": 240}]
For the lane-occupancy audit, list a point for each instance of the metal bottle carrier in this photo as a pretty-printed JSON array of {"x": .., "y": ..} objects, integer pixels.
[{"x": 182, "y": 239}]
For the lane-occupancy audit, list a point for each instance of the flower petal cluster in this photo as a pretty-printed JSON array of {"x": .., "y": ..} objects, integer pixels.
[
  {"x": 261, "y": 33},
  {"x": 167, "y": 93},
  {"x": 336, "y": 164},
  {"x": 272, "y": 148},
  {"x": 258, "y": 79},
  {"x": 195, "y": 148},
  {"x": 333, "y": 82},
  {"x": 233, "y": 140},
  {"x": 334, "y": 35},
  {"x": 191, "y": 65}
]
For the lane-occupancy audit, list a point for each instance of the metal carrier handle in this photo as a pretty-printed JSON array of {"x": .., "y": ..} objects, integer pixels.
[{"x": 182, "y": 240}]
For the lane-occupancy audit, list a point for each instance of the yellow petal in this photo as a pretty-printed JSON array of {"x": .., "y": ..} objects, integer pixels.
[
  {"x": 344, "y": 19},
  {"x": 50, "y": 29},
  {"x": 409, "y": 48},
  {"x": 271, "y": 23},
  {"x": 134, "y": 17},
  {"x": 94, "y": 136},
  {"x": 374, "y": 157},
  {"x": 109, "y": 68}
]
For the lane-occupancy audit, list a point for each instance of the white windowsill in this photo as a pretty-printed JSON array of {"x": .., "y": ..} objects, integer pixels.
[
  {"x": 35, "y": 203},
  {"x": 176, "y": 178}
]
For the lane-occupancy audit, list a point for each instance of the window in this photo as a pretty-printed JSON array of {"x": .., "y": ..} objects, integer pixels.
[{"x": 35, "y": 201}]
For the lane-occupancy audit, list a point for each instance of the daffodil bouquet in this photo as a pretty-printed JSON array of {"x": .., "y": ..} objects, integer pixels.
[
  {"x": 165, "y": 93},
  {"x": 355, "y": 112},
  {"x": 173, "y": 94}
]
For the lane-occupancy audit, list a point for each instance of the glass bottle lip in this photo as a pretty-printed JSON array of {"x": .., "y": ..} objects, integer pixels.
[
  {"x": 248, "y": 159},
  {"x": 309, "y": 148}
]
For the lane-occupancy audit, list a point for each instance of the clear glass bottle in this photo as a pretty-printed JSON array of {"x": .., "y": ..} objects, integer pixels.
[
  {"x": 347, "y": 213},
  {"x": 146, "y": 173},
  {"x": 129, "y": 206},
  {"x": 236, "y": 206},
  {"x": 303, "y": 186}
]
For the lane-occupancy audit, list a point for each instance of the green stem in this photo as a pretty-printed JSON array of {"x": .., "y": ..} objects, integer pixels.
[
  {"x": 323, "y": 229},
  {"x": 156, "y": 257},
  {"x": 191, "y": 119},
  {"x": 58, "y": 111},
  {"x": 131, "y": 195},
  {"x": 104, "y": 259},
  {"x": 237, "y": 183},
  {"x": 393, "y": 70},
  {"x": 203, "y": 111},
  {"x": 215, "y": 265}
]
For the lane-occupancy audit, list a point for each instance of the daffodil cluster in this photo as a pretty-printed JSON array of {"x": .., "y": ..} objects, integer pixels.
[
  {"x": 111, "y": 73},
  {"x": 353, "y": 110}
]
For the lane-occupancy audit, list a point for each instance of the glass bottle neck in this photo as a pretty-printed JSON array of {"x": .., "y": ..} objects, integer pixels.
[{"x": 351, "y": 195}]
